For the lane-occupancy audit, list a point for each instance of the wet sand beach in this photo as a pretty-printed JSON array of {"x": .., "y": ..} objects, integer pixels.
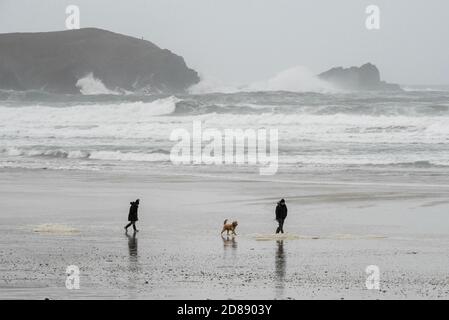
[{"x": 51, "y": 219}]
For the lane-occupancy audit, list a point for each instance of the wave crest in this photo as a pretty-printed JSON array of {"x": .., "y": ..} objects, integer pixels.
[
  {"x": 296, "y": 79},
  {"x": 89, "y": 85},
  {"x": 151, "y": 156}
]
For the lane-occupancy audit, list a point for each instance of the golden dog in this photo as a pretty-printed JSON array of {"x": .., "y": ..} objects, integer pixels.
[{"x": 229, "y": 227}]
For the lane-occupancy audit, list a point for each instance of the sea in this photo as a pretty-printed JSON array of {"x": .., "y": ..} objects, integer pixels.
[{"x": 319, "y": 133}]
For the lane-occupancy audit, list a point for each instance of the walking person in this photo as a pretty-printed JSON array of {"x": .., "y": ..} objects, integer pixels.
[
  {"x": 281, "y": 215},
  {"x": 132, "y": 216}
]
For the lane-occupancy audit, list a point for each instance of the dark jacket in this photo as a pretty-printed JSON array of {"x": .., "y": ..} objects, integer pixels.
[
  {"x": 281, "y": 211},
  {"x": 132, "y": 216}
]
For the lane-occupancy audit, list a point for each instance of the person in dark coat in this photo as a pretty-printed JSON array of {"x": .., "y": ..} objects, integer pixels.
[
  {"x": 281, "y": 215},
  {"x": 132, "y": 216}
]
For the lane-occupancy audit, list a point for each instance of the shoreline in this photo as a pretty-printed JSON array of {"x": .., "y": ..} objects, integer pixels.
[{"x": 334, "y": 232}]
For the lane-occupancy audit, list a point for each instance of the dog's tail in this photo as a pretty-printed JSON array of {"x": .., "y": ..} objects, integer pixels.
[{"x": 225, "y": 221}]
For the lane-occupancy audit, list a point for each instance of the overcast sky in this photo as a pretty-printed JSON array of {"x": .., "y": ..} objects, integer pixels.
[{"x": 247, "y": 40}]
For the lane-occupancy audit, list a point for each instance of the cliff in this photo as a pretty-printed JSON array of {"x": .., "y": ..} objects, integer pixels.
[{"x": 55, "y": 61}]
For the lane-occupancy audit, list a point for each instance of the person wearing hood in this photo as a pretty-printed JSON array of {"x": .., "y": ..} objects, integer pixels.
[
  {"x": 132, "y": 216},
  {"x": 281, "y": 215}
]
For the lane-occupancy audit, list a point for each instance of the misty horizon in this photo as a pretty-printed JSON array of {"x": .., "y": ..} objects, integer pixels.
[{"x": 242, "y": 43}]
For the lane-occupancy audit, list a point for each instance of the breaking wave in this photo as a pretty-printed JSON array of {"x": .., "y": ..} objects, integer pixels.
[
  {"x": 332, "y": 130},
  {"x": 296, "y": 79},
  {"x": 89, "y": 113},
  {"x": 159, "y": 156},
  {"x": 301, "y": 158},
  {"x": 89, "y": 85}
]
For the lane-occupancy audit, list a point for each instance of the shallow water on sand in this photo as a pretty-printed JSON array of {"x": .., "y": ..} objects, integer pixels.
[{"x": 334, "y": 231}]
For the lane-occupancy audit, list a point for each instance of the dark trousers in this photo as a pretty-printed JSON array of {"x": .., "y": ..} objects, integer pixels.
[
  {"x": 281, "y": 226},
  {"x": 131, "y": 223}
]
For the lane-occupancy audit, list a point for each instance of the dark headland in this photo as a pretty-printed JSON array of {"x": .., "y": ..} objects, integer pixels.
[
  {"x": 366, "y": 77},
  {"x": 55, "y": 61}
]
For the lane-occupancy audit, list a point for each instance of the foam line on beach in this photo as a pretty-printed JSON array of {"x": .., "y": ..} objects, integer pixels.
[{"x": 54, "y": 229}]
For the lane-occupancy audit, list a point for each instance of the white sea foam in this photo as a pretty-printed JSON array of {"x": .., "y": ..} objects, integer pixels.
[
  {"x": 129, "y": 156},
  {"x": 211, "y": 84},
  {"x": 93, "y": 155},
  {"x": 425, "y": 89},
  {"x": 317, "y": 159},
  {"x": 13, "y": 152},
  {"x": 89, "y": 85},
  {"x": 295, "y": 79},
  {"x": 54, "y": 229},
  {"x": 315, "y": 133},
  {"x": 87, "y": 114},
  {"x": 139, "y": 120}
]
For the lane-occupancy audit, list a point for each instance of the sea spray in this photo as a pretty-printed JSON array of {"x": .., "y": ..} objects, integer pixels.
[{"x": 89, "y": 85}]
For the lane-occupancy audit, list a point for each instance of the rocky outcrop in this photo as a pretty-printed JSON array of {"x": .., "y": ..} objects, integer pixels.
[
  {"x": 366, "y": 77},
  {"x": 55, "y": 61}
]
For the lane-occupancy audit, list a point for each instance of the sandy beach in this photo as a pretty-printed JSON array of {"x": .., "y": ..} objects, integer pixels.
[
  {"x": 52, "y": 219},
  {"x": 199, "y": 116}
]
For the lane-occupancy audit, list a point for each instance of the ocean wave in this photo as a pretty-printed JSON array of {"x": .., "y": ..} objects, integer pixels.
[
  {"x": 51, "y": 153},
  {"x": 423, "y": 164},
  {"x": 157, "y": 155},
  {"x": 88, "y": 113},
  {"x": 437, "y": 88},
  {"x": 320, "y": 158},
  {"x": 89, "y": 85},
  {"x": 129, "y": 156},
  {"x": 134, "y": 125},
  {"x": 295, "y": 79},
  {"x": 315, "y": 129},
  {"x": 131, "y": 107}
]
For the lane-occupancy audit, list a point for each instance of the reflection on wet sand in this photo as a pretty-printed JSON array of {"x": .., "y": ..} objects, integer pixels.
[
  {"x": 229, "y": 241},
  {"x": 134, "y": 268},
  {"x": 132, "y": 247},
  {"x": 280, "y": 263},
  {"x": 229, "y": 246}
]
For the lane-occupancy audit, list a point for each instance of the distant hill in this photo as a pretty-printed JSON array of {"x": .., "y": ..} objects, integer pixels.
[
  {"x": 366, "y": 77},
  {"x": 55, "y": 61}
]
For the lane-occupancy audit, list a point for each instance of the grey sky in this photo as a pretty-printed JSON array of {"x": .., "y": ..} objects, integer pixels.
[{"x": 247, "y": 40}]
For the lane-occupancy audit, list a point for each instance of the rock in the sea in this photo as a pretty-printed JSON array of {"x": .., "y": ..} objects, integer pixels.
[
  {"x": 56, "y": 61},
  {"x": 366, "y": 77}
]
